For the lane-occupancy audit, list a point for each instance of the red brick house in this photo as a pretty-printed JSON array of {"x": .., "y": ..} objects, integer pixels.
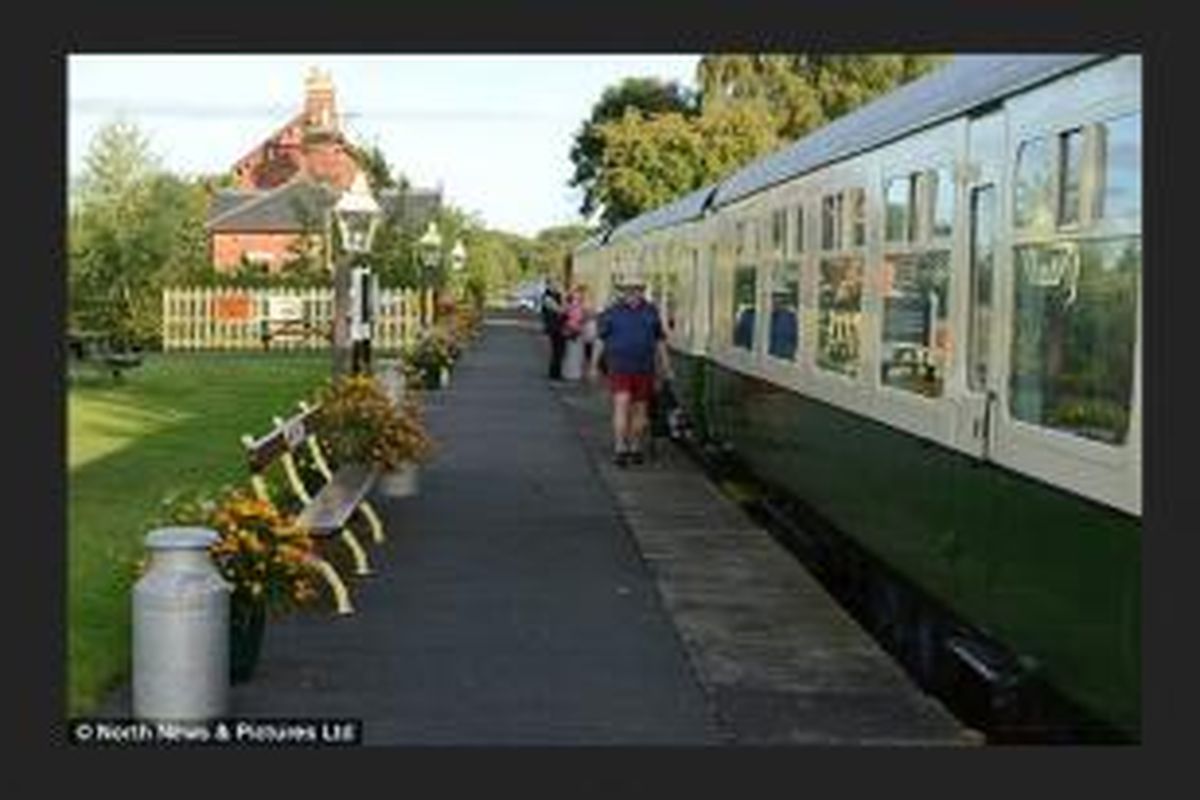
[{"x": 286, "y": 185}]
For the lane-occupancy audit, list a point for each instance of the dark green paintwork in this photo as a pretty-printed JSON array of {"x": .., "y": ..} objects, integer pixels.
[{"x": 1052, "y": 575}]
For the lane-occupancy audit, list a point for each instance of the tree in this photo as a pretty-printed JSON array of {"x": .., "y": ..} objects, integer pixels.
[
  {"x": 132, "y": 228},
  {"x": 650, "y": 96},
  {"x": 804, "y": 91}
]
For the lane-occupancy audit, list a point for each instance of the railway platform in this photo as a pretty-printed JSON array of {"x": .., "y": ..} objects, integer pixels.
[{"x": 534, "y": 594}]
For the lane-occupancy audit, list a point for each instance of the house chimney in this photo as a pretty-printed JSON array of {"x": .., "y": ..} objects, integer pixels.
[{"x": 319, "y": 108}]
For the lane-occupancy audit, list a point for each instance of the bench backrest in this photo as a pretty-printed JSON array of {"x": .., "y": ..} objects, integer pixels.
[{"x": 278, "y": 445}]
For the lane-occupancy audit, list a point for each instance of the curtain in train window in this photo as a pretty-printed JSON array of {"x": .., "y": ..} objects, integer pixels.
[
  {"x": 1121, "y": 193},
  {"x": 839, "y": 319},
  {"x": 916, "y": 330},
  {"x": 785, "y": 310},
  {"x": 1074, "y": 334},
  {"x": 745, "y": 302}
]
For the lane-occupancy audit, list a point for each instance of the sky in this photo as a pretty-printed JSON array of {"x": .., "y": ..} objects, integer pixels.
[{"x": 494, "y": 131}]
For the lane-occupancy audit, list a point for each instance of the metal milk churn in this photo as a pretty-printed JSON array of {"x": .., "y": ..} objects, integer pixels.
[{"x": 181, "y": 630}]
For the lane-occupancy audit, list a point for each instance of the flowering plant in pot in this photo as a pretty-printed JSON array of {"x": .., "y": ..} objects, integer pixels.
[
  {"x": 431, "y": 357},
  {"x": 263, "y": 555},
  {"x": 359, "y": 423}
]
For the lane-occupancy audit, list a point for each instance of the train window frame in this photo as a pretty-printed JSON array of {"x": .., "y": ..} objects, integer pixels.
[
  {"x": 849, "y": 254},
  {"x": 778, "y": 223},
  {"x": 740, "y": 271},
  {"x": 791, "y": 271},
  {"x": 1099, "y": 194}
]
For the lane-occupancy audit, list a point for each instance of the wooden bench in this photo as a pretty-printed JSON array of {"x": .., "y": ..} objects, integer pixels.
[
  {"x": 326, "y": 512},
  {"x": 97, "y": 350},
  {"x": 293, "y": 330}
]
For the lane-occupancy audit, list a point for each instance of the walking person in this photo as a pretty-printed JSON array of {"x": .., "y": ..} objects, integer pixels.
[
  {"x": 634, "y": 348},
  {"x": 553, "y": 315},
  {"x": 573, "y": 320}
]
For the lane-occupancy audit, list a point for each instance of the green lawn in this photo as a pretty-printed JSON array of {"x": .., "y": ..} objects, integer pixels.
[{"x": 174, "y": 423}]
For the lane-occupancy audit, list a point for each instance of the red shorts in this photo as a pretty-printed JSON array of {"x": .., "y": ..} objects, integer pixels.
[{"x": 639, "y": 386}]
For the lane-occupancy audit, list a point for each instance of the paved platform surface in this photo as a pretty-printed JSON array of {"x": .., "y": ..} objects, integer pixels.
[{"x": 532, "y": 594}]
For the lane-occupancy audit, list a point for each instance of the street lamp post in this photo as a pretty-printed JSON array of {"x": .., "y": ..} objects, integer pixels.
[
  {"x": 357, "y": 217},
  {"x": 430, "y": 248}
]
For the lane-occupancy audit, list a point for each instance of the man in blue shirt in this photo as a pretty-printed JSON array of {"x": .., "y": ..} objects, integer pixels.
[{"x": 634, "y": 348}]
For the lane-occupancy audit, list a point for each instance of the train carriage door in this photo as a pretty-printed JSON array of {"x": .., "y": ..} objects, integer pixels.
[{"x": 985, "y": 158}]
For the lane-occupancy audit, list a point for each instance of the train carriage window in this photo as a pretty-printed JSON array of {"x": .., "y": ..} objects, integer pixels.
[
  {"x": 778, "y": 230},
  {"x": 898, "y": 198},
  {"x": 745, "y": 306},
  {"x": 983, "y": 216},
  {"x": 942, "y": 193},
  {"x": 857, "y": 200},
  {"x": 839, "y": 306},
  {"x": 785, "y": 310},
  {"x": 670, "y": 305},
  {"x": 1070, "y": 171},
  {"x": 916, "y": 331},
  {"x": 798, "y": 231},
  {"x": 831, "y": 222},
  {"x": 1074, "y": 333},
  {"x": 1121, "y": 148},
  {"x": 1033, "y": 188}
]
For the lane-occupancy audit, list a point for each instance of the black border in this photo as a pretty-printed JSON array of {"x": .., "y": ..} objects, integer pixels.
[{"x": 37, "y": 550}]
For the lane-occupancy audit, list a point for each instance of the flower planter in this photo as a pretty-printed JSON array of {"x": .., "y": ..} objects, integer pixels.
[
  {"x": 400, "y": 482},
  {"x": 247, "y": 624}
]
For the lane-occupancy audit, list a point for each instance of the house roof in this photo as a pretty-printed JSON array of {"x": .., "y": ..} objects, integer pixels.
[
  {"x": 413, "y": 208},
  {"x": 966, "y": 82},
  {"x": 280, "y": 209}
]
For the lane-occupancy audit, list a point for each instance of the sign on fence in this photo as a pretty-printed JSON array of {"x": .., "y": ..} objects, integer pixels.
[
  {"x": 229, "y": 308},
  {"x": 285, "y": 308},
  {"x": 233, "y": 319}
]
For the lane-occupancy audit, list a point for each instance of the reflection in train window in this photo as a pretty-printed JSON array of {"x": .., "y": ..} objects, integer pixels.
[
  {"x": 798, "y": 231},
  {"x": 1033, "y": 189},
  {"x": 784, "y": 330},
  {"x": 745, "y": 301},
  {"x": 839, "y": 305},
  {"x": 916, "y": 331},
  {"x": 1070, "y": 172},
  {"x": 898, "y": 196},
  {"x": 1074, "y": 329},
  {"x": 857, "y": 198},
  {"x": 831, "y": 222},
  {"x": 1121, "y": 193},
  {"x": 778, "y": 230},
  {"x": 942, "y": 193}
]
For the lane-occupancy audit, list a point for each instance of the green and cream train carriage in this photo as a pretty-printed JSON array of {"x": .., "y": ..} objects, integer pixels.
[{"x": 924, "y": 322}]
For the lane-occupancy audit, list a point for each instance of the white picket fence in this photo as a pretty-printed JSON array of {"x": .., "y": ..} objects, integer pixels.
[{"x": 233, "y": 319}]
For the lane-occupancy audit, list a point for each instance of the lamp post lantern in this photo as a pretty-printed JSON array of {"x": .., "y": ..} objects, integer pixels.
[
  {"x": 430, "y": 248},
  {"x": 358, "y": 217}
]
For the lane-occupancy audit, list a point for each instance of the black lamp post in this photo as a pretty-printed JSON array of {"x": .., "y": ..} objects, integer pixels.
[{"x": 357, "y": 217}]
